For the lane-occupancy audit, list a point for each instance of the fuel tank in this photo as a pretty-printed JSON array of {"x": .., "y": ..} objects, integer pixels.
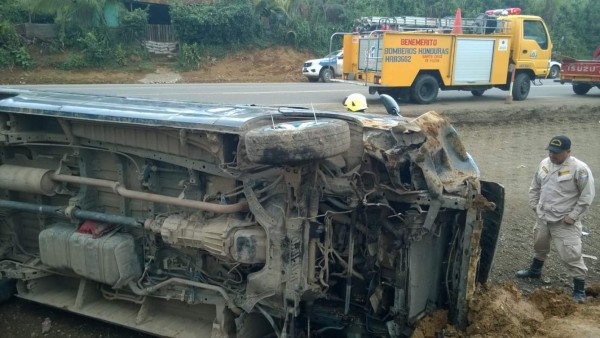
[{"x": 111, "y": 259}]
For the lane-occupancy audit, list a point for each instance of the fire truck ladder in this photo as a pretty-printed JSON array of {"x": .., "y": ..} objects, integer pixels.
[{"x": 483, "y": 24}]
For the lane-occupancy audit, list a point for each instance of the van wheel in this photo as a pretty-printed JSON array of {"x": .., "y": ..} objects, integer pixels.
[
  {"x": 298, "y": 141},
  {"x": 492, "y": 221},
  {"x": 425, "y": 89},
  {"x": 478, "y": 92},
  {"x": 7, "y": 289},
  {"x": 521, "y": 87},
  {"x": 581, "y": 88},
  {"x": 253, "y": 325},
  {"x": 326, "y": 75}
]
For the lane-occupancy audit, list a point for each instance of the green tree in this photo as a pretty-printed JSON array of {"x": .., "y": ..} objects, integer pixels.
[{"x": 221, "y": 22}]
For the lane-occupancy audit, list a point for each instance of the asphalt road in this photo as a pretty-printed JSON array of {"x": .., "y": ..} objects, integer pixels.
[{"x": 324, "y": 96}]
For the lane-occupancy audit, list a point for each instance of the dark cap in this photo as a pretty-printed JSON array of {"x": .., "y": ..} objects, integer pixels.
[{"x": 559, "y": 144}]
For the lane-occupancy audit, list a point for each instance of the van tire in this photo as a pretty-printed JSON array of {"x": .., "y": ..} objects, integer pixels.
[
  {"x": 478, "y": 92},
  {"x": 297, "y": 141},
  {"x": 7, "y": 289},
  {"x": 253, "y": 325},
  {"x": 425, "y": 89},
  {"x": 326, "y": 75},
  {"x": 492, "y": 221},
  {"x": 581, "y": 88},
  {"x": 521, "y": 87}
]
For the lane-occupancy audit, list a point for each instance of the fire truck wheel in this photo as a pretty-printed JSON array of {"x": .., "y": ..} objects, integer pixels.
[
  {"x": 326, "y": 75},
  {"x": 521, "y": 87},
  {"x": 581, "y": 88},
  {"x": 297, "y": 141},
  {"x": 425, "y": 89},
  {"x": 478, "y": 92},
  {"x": 7, "y": 289}
]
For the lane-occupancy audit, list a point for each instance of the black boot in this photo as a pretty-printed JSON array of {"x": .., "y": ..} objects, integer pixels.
[
  {"x": 534, "y": 271},
  {"x": 579, "y": 290}
]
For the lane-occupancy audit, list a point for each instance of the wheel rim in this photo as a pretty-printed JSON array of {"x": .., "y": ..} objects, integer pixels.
[
  {"x": 293, "y": 125},
  {"x": 426, "y": 91},
  {"x": 327, "y": 75},
  {"x": 524, "y": 88}
]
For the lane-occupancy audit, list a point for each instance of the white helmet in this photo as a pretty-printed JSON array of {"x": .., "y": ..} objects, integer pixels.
[{"x": 356, "y": 102}]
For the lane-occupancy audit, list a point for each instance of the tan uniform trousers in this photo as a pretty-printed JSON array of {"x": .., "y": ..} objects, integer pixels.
[{"x": 567, "y": 241}]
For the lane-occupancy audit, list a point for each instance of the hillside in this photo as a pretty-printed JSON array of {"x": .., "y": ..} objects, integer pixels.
[{"x": 277, "y": 64}]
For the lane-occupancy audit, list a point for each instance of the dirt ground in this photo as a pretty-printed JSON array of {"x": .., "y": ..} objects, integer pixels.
[
  {"x": 508, "y": 151},
  {"x": 507, "y": 145},
  {"x": 280, "y": 64}
]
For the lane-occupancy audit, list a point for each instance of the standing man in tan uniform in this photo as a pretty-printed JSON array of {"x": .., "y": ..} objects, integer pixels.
[{"x": 560, "y": 193}]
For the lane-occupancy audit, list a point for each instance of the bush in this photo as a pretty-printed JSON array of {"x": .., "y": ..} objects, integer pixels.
[
  {"x": 133, "y": 25},
  {"x": 96, "y": 49},
  {"x": 13, "y": 11},
  {"x": 221, "y": 22},
  {"x": 120, "y": 55},
  {"x": 22, "y": 58},
  {"x": 73, "y": 61},
  {"x": 189, "y": 56},
  {"x": 9, "y": 39},
  {"x": 12, "y": 51},
  {"x": 6, "y": 60}
]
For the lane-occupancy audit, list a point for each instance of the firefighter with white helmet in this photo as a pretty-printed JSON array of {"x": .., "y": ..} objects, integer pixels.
[{"x": 356, "y": 102}]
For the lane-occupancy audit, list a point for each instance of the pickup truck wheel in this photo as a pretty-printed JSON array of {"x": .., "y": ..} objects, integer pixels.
[
  {"x": 425, "y": 89},
  {"x": 478, "y": 92},
  {"x": 326, "y": 75},
  {"x": 7, "y": 289},
  {"x": 554, "y": 70},
  {"x": 521, "y": 87},
  {"x": 313, "y": 79},
  {"x": 581, "y": 88},
  {"x": 298, "y": 141}
]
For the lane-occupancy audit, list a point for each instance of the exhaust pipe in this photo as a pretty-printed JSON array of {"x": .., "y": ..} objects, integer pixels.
[{"x": 44, "y": 181}]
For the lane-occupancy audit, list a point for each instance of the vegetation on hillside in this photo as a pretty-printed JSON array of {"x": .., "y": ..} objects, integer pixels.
[{"x": 85, "y": 39}]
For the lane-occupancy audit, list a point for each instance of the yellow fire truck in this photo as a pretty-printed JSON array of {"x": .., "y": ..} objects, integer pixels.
[{"x": 412, "y": 58}]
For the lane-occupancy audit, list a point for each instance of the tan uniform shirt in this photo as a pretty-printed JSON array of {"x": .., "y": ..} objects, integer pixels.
[{"x": 559, "y": 190}]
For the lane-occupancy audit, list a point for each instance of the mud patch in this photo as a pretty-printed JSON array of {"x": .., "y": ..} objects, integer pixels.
[
  {"x": 161, "y": 75},
  {"x": 503, "y": 311}
]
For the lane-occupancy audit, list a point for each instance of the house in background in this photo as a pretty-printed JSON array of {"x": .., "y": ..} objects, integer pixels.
[
  {"x": 160, "y": 34},
  {"x": 158, "y": 10}
]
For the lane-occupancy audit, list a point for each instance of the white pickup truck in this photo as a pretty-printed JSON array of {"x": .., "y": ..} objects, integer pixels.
[
  {"x": 553, "y": 69},
  {"x": 325, "y": 68}
]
